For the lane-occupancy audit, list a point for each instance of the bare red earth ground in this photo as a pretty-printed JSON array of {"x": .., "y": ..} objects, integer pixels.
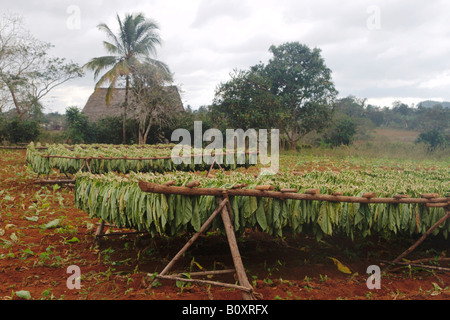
[{"x": 35, "y": 259}]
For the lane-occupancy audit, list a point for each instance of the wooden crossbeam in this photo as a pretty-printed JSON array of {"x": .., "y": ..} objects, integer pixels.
[{"x": 267, "y": 192}]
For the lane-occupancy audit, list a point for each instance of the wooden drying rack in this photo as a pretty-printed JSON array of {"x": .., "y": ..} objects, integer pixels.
[
  {"x": 267, "y": 191},
  {"x": 431, "y": 200},
  {"x": 86, "y": 161}
]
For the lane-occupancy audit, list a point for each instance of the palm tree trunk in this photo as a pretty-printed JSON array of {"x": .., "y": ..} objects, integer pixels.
[{"x": 125, "y": 107}]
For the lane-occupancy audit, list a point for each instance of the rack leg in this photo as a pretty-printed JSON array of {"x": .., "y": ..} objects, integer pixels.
[
  {"x": 192, "y": 240},
  {"x": 422, "y": 239},
  {"x": 237, "y": 260},
  {"x": 100, "y": 229}
]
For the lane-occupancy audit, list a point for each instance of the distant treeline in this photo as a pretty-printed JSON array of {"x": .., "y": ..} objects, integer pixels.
[{"x": 352, "y": 118}]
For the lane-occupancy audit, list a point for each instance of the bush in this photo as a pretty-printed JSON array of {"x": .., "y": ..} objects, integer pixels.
[
  {"x": 16, "y": 131},
  {"x": 109, "y": 130},
  {"x": 341, "y": 133},
  {"x": 78, "y": 128},
  {"x": 433, "y": 139}
]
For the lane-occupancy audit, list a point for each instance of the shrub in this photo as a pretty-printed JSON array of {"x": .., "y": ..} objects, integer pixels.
[
  {"x": 433, "y": 139},
  {"x": 341, "y": 133},
  {"x": 16, "y": 131}
]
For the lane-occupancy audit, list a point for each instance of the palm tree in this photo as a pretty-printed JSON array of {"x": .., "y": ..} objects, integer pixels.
[{"x": 136, "y": 41}]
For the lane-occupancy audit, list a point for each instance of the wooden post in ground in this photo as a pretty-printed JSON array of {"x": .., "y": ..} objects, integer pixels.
[
  {"x": 100, "y": 229},
  {"x": 237, "y": 260}
]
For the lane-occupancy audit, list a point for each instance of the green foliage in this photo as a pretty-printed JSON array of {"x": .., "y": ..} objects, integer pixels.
[
  {"x": 16, "y": 131},
  {"x": 79, "y": 130},
  {"x": 303, "y": 85},
  {"x": 246, "y": 102},
  {"x": 434, "y": 139},
  {"x": 186, "y": 119},
  {"x": 43, "y": 165},
  {"x": 293, "y": 92},
  {"x": 402, "y": 116},
  {"x": 119, "y": 200},
  {"x": 108, "y": 130},
  {"x": 341, "y": 133}
]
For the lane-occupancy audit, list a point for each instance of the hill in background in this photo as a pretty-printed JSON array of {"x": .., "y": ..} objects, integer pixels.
[{"x": 431, "y": 104}]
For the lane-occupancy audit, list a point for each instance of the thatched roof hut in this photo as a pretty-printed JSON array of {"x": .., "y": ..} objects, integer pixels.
[{"x": 97, "y": 109}]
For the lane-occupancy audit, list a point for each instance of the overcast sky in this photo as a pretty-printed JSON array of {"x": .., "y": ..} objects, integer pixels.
[{"x": 380, "y": 50}]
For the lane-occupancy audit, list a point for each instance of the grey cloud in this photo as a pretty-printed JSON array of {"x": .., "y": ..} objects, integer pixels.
[
  {"x": 210, "y": 10},
  {"x": 204, "y": 45}
]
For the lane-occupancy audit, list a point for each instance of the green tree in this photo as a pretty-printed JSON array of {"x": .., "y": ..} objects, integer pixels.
[
  {"x": 303, "y": 86},
  {"x": 293, "y": 92},
  {"x": 341, "y": 133},
  {"x": 352, "y": 109},
  {"x": 136, "y": 41},
  {"x": 434, "y": 139},
  {"x": 21, "y": 131},
  {"x": 78, "y": 128},
  {"x": 109, "y": 130},
  {"x": 245, "y": 102}
]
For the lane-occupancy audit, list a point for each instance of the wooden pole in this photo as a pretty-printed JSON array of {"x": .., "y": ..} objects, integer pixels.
[
  {"x": 210, "y": 168},
  {"x": 87, "y": 165},
  {"x": 100, "y": 228},
  {"x": 422, "y": 239},
  {"x": 245, "y": 290},
  {"x": 156, "y": 188},
  {"x": 240, "y": 270},
  {"x": 135, "y": 159},
  {"x": 417, "y": 265},
  {"x": 207, "y": 273},
  {"x": 230, "y": 211},
  {"x": 59, "y": 181}
]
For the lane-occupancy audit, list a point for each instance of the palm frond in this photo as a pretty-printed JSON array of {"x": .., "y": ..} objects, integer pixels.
[
  {"x": 103, "y": 27},
  {"x": 160, "y": 65},
  {"x": 111, "y": 48},
  {"x": 101, "y": 63},
  {"x": 123, "y": 35},
  {"x": 120, "y": 69}
]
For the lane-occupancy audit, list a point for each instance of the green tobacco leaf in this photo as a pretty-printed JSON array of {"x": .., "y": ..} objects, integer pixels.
[
  {"x": 324, "y": 219},
  {"x": 195, "y": 221},
  {"x": 23, "y": 295},
  {"x": 187, "y": 209},
  {"x": 73, "y": 240},
  {"x": 52, "y": 224},
  {"x": 261, "y": 215}
]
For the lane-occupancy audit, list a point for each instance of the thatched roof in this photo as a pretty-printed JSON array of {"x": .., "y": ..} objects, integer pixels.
[{"x": 97, "y": 109}]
